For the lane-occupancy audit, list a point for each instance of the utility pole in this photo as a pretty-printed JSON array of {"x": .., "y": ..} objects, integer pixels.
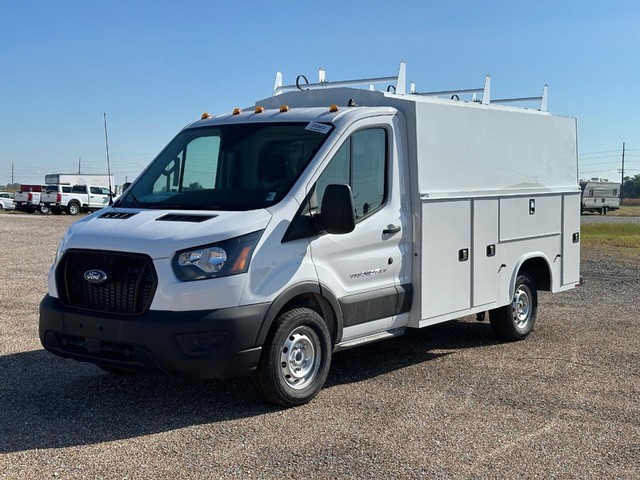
[
  {"x": 12, "y": 174},
  {"x": 79, "y": 161},
  {"x": 622, "y": 182}
]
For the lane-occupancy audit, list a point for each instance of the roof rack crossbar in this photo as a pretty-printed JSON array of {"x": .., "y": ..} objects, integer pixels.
[
  {"x": 399, "y": 81},
  {"x": 542, "y": 99},
  {"x": 485, "y": 91}
]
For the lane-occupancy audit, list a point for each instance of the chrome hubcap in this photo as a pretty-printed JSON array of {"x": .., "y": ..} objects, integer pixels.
[{"x": 300, "y": 357}]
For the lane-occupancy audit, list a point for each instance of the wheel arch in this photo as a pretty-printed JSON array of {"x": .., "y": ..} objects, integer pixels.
[
  {"x": 538, "y": 267},
  {"x": 310, "y": 295}
]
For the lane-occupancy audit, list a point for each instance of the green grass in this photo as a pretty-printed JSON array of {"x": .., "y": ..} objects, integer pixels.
[
  {"x": 630, "y": 208},
  {"x": 625, "y": 236}
]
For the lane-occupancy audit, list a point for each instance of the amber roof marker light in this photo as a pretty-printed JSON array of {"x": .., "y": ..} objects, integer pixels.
[{"x": 205, "y": 115}]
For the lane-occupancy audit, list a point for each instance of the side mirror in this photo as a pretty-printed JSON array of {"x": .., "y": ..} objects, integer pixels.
[{"x": 336, "y": 212}]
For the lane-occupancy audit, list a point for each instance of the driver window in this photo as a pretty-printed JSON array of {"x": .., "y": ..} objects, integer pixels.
[{"x": 360, "y": 163}]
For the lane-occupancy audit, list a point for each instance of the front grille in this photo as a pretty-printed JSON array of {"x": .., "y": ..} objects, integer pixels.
[
  {"x": 108, "y": 350},
  {"x": 128, "y": 289}
]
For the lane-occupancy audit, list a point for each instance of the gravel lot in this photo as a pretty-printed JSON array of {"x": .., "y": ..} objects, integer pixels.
[{"x": 443, "y": 402}]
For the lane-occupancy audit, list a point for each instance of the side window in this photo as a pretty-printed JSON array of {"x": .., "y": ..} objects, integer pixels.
[
  {"x": 615, "y": 192},
  {"x": 591, "y": 193},
  {"x": 201, "y": 163},
  {"x": 194, "y": 168},
  {"x": 96, "y": 190},
  {"x": 361, "y": 164}
]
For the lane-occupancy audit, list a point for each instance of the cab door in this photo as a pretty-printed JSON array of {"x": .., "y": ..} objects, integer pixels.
[
  {"x": 365, "y": 269},
  {"x": 98, "y": 197}
]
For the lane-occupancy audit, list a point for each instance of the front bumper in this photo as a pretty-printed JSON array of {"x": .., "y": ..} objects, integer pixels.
[{"x": 198, "y": 344}]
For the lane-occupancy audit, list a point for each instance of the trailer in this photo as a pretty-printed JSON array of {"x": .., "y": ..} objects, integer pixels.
[
  {"x": 599, "y": 195},
  {"x": 96, "y": 179},
  {"x": 264, "y": 240}
]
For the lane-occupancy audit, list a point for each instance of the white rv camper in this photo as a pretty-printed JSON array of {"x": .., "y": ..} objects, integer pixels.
[
  {"x": 599, "y": 195},
  {"x": 264, "y": 240}
]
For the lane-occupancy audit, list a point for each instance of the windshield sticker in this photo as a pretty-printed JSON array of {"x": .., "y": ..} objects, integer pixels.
[
  {"x": 318, "y": 127},
  {"x": 271, "y": 197}
]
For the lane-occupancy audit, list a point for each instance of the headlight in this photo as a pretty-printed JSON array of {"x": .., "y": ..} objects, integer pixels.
[{"x": 221, "y": 259}]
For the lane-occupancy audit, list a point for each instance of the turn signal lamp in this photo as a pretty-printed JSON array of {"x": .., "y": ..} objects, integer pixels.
[
  {"x": 259, "y": 109},
  {"x": 237, "y": 111},
  {"x": 284, "y": 108},
  {"x": 333, "y": 108},
  {"x": 205, "y": 115}
]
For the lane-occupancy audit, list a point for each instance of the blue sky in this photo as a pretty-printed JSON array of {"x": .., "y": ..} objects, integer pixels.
[{"x": 155, "y": 66}]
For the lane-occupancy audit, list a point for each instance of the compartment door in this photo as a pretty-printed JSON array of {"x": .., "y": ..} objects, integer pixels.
[
  {"x": 485, "y": 254},
  {"x": 446, "y": 262},
  {"x": 571, "y": 243}
]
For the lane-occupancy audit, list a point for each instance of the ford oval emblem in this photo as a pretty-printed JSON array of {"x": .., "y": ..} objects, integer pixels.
[{"x": 95, "y": 276}]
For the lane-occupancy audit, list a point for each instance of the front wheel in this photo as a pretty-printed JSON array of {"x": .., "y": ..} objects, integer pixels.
[
  {"x": 296, "y": 358},
  {"x": 515, "y": 321}
]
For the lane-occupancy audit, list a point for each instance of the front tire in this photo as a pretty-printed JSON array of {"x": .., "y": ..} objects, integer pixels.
[
  {"x": 515, "y": 321},
  {"x": 296, "y": 358}
]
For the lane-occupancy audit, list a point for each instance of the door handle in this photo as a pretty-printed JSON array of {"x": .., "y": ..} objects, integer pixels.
[{"x": 391, "y": 229}]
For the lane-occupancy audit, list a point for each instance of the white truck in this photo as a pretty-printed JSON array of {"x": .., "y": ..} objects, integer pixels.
[
  {"x": 600, "y": 195},
  {"x": 264, "y": 240},
  {"x": 28, "y": 199},
  {"x": 74, "y": 199}
]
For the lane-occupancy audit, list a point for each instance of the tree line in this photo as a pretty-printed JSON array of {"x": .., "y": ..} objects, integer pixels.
[{"x": 631, "y": 186}]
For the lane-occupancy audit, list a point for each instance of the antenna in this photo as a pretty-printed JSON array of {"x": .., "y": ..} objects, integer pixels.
[{"x": 106, "y": 142}]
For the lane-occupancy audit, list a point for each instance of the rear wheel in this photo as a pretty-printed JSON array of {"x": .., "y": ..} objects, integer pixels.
[
  {"x": 73, "y": 208},
  {"x": 43, "y": 209},
  {"x": 515, "y": 321},
  {"x": 296, "y": 358}
]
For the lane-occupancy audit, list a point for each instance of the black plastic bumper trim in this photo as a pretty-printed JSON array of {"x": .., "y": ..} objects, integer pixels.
[{"x": 197, "y": 344}]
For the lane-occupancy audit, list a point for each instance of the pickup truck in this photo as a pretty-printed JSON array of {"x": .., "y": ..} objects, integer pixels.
[
  {"x": 28, "y": 199},
  {"x": 75, "y": 199}
]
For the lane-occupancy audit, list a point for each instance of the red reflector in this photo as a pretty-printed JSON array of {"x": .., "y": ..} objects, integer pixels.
[{"x": 59, "y": 197}]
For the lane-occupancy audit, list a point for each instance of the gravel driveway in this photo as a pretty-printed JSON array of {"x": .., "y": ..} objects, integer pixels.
[{"x": 444, "y": 402}]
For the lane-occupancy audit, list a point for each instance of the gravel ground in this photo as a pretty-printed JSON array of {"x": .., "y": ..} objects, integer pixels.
[{"x": 443, "y": 402}]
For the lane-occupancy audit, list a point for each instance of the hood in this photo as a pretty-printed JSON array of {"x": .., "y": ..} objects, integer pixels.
[{"x": 160, "y": 233}]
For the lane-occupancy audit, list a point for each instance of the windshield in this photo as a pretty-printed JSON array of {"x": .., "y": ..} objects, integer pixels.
[{"x": 226, "y": 167}]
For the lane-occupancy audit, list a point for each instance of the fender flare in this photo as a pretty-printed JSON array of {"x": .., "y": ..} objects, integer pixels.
[
  {"x": 521, "y": 261},
  {"x": 292, "y": 292}
]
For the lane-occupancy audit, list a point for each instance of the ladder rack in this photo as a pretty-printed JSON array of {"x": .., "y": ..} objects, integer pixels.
[{"x": 400, "y": 88}]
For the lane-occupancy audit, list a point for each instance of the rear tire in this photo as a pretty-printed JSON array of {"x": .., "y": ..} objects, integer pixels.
[
  {"x": 44, "y": 210},
  {"x": 296, "y": 358},
  {"x": 515, "y": 321},
  {"x": 73, "y": 208}
]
